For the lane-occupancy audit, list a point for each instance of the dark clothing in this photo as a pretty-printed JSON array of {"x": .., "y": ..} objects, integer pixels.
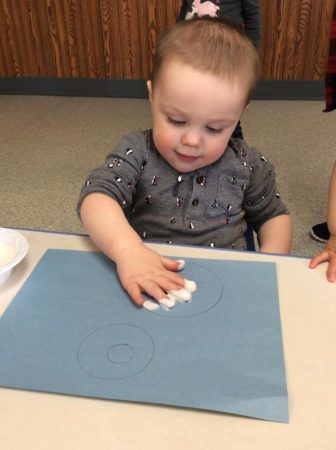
[
  {"x": 330, "y": 78},
  {"x": 241, "y": 12}
]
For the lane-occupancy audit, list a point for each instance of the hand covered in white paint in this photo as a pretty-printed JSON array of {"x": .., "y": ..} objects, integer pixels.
[
  {"x": 141, "y": 270},
  {"x": 183, "y": 295}
]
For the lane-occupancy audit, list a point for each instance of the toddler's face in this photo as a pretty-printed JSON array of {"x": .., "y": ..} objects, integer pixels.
[{"x": 194, "y": 114}]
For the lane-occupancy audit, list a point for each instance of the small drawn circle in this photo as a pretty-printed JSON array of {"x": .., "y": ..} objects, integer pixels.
[
  {"x": 115, "y": 351},
  {"x": 208, "y": 294},
  {"x": 120, "y": 353}
]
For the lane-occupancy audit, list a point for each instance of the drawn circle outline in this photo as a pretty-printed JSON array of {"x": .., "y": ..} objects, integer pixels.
[{"x": 132, "y": 336}]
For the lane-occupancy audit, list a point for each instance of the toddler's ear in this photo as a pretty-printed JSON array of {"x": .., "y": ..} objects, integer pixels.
[{"x": 149, "y": 88}]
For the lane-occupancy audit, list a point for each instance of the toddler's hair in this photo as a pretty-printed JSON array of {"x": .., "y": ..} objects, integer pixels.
[{"x": 211, "y": 45}]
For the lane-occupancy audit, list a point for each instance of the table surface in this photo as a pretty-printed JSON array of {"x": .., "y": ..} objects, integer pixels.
[{"x": 33, "y": 420}]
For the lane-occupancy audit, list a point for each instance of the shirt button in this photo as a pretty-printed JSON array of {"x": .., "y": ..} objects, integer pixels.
[
  {"x": 201, "y": 180},
  {"x": 195, "y": 202}
]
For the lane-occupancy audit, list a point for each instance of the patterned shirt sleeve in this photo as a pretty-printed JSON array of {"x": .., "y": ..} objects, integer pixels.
[
  {"x": 118, "y": 176},
  {"x": 262, "y": 200}
]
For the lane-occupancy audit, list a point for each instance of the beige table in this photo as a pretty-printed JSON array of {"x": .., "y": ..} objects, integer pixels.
[{"x": 32, "y": 420}]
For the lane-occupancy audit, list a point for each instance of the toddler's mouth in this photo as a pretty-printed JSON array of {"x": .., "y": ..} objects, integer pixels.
[{"x": 186, "y": 158}]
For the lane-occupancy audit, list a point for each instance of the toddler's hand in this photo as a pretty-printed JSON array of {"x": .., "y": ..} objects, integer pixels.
[
  {"x": 142, "y": 270},
  {"x": 328, "y": 254},
  {"x": 180, "y": 295}
]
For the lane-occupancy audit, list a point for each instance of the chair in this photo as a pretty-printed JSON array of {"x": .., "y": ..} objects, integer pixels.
[{"x": 249, "y": 236}]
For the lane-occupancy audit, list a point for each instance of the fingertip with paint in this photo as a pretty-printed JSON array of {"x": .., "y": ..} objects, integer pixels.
[
  {"x": 181, "y": 295},
  {"x": 151, "y": 306},
  {"x": 168, "y": 302},
  {"x": 181, "y": 264},
  {"x": 190, "y": 285}
]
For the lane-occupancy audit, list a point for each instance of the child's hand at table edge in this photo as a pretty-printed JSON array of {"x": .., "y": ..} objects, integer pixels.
[
  {"x": 142, "y": 270},
  {"x": 328, "y": 254}
]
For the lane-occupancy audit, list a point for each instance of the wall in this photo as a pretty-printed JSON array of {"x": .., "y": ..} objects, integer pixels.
[
  {"x": 295, "y": 38},
  {"x": 114, "y": 39}
]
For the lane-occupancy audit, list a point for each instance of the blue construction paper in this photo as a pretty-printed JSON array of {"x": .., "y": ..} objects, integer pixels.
[{"x": 72, "y": 329}]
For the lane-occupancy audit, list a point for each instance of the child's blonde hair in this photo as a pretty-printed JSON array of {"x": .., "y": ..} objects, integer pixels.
[{"x": 211, "y": 45}]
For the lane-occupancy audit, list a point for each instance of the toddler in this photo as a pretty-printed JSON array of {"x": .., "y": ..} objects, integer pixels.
[{"x": 185, "y": 181}]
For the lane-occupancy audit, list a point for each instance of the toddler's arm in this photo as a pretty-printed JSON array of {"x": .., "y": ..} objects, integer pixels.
[
  {"x": 275, "y": 235},
  {"x": 329, "y": 252},
  {"x": 139, "y": 268}
]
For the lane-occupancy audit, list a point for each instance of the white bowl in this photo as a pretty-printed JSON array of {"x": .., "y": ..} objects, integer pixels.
[{"x": 13, "y": 248}]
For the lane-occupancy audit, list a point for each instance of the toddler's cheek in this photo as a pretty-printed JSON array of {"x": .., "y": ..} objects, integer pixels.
[{"x": 165, "y": 141}]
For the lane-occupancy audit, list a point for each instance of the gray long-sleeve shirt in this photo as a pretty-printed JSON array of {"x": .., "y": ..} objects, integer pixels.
[
  {"x": 244, "y": 13},
  {"x": 209, "y": 207}
]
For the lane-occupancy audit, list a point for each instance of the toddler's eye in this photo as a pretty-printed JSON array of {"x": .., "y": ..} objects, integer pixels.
[
  {"x": 214, "y": 130},
  {"x": 176, "y": 122}
]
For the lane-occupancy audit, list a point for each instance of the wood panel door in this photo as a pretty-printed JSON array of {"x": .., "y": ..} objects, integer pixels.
[
  {"x": 295, "y": 38},
  {"x": 81, "y": 38},
  {"x": 115, "y": 39}
]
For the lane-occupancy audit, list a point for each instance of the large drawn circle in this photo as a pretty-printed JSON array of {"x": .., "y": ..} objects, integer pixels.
[
  {"x": 208, "y": 294},
  {"x": 115, "y": 351}
]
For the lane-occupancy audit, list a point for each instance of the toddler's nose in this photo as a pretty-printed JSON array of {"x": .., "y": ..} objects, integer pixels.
[{"x": 190, "y": 138}]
